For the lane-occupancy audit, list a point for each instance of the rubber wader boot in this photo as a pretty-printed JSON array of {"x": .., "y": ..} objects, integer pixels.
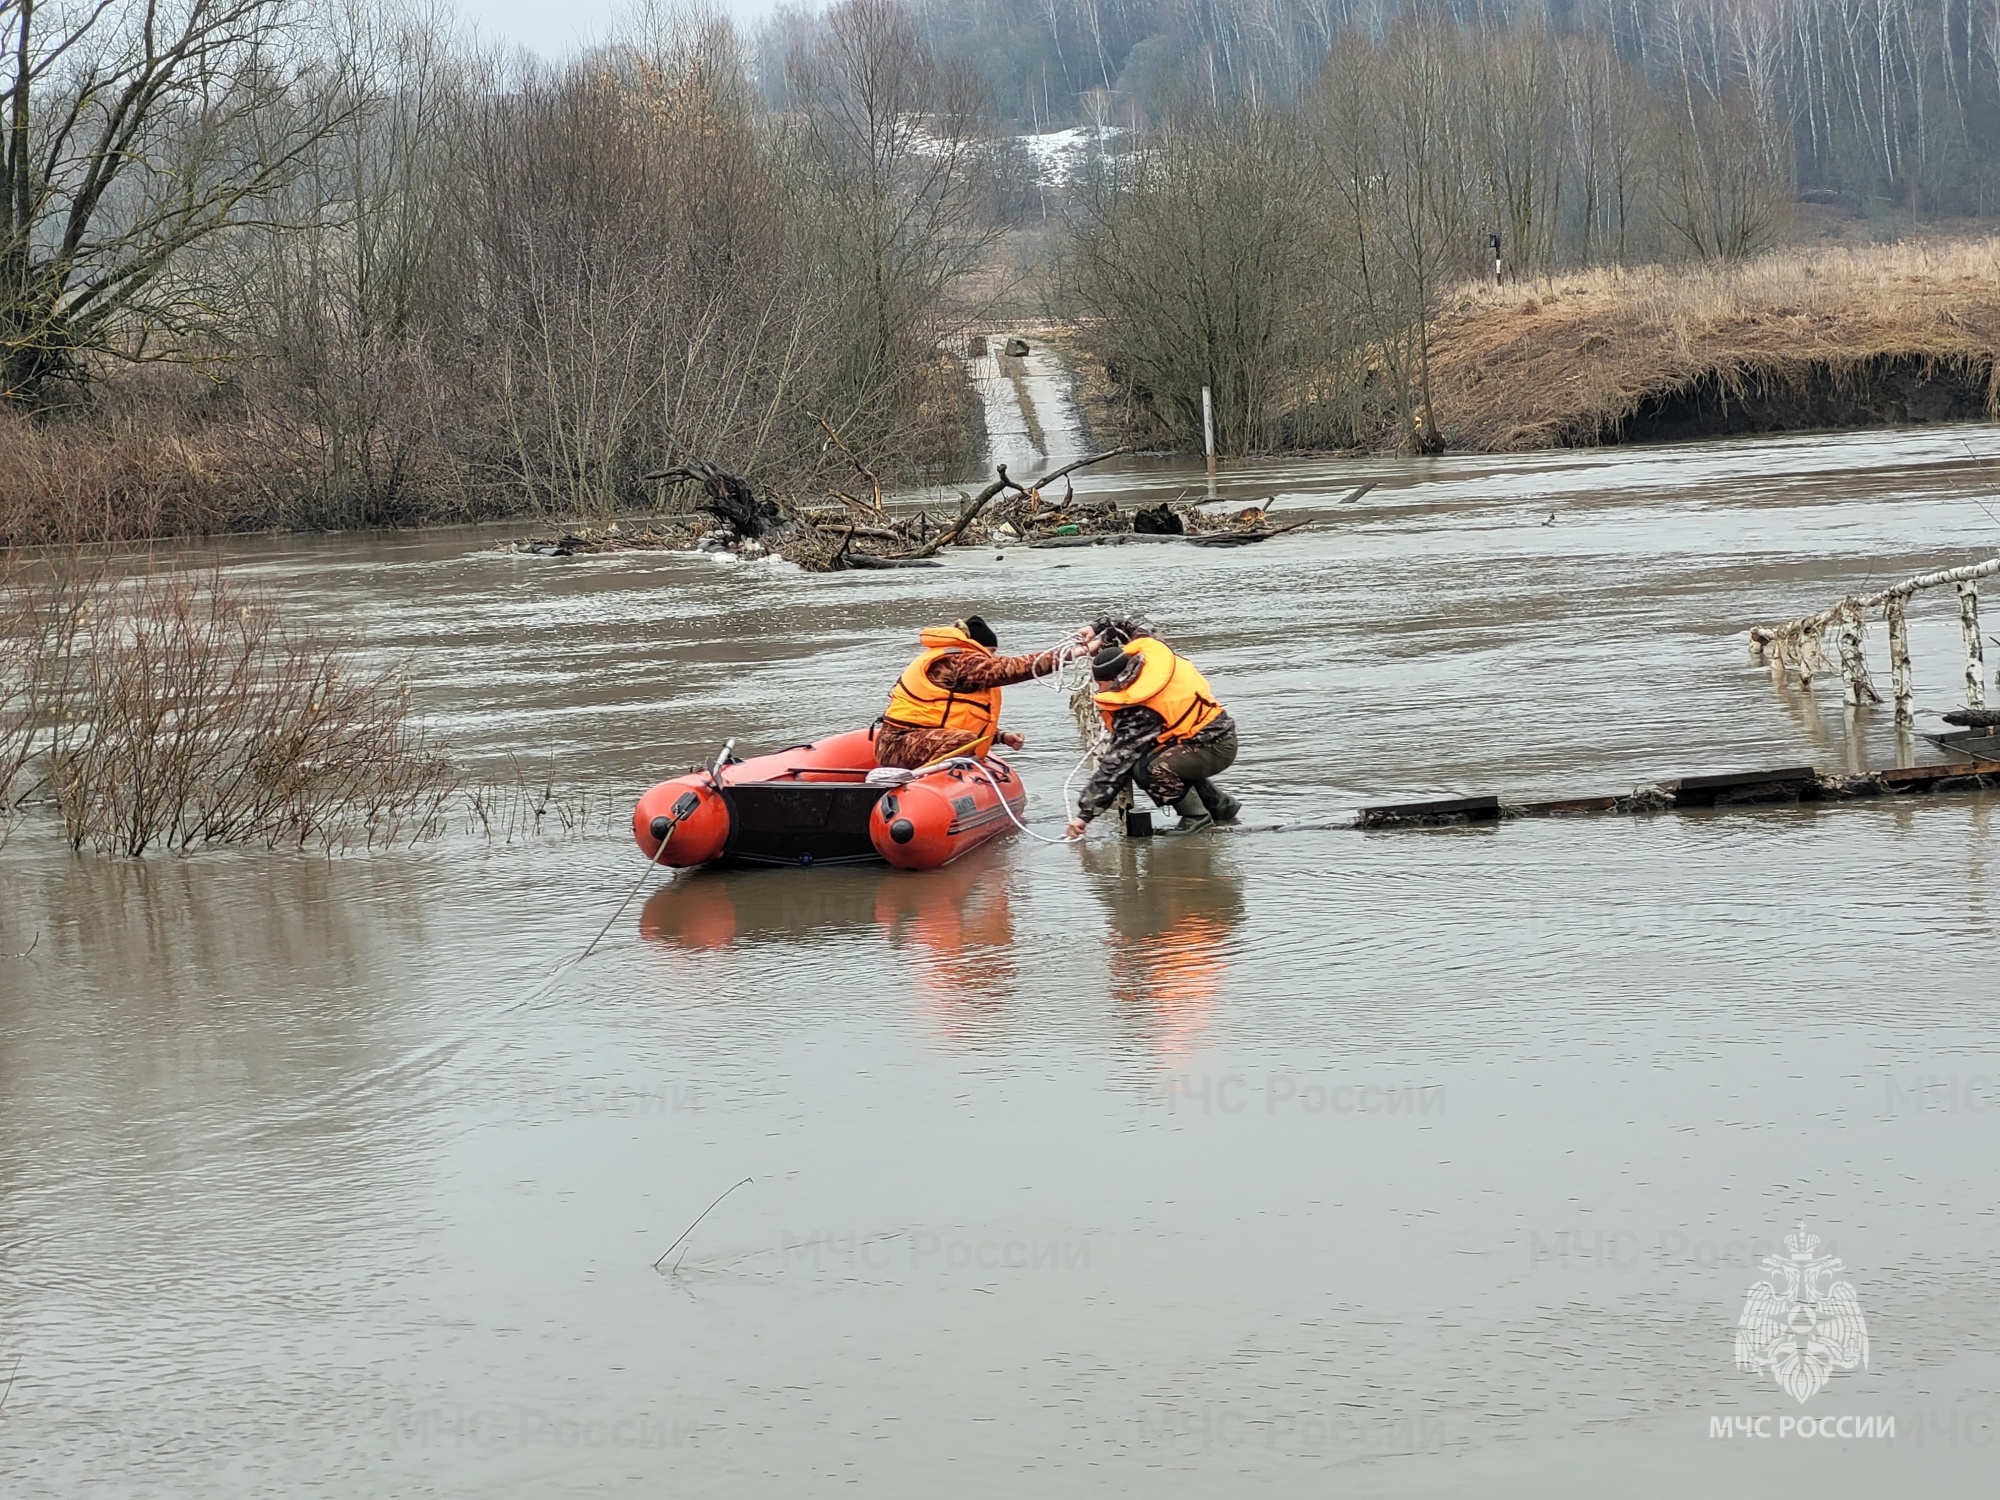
[
  {"x": 1194, "y": 817},
  {"x": 1221, "y": 806}
]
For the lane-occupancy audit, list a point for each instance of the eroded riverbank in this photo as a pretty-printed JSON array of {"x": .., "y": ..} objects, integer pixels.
[{"x": 1409, "y": 1163}]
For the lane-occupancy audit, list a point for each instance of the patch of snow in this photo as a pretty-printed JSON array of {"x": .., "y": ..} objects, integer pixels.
[{"x": 1060, "y": 155}]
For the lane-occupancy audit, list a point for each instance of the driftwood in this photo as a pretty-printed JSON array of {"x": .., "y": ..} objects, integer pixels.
[
  {"x": 1244, "y": 537},
  {"x": 827, "y": 538},
  {"x": 870, "y": 560},
  {"x": 833, "y": 440},
  {"x": 1105, "y": 539},
  {"x": 969, "y": 511},
  {"x": 730, "y": 498}
]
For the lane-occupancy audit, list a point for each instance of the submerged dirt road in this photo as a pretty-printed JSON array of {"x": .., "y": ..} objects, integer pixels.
[{"x": 1406, "y": 1164}]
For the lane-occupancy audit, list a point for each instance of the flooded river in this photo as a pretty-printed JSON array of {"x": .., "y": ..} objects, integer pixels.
[{"x": 1403, "y": 1164}]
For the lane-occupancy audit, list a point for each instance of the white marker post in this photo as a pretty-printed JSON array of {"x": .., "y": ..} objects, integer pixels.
[{"x": 1208, "y": 435}]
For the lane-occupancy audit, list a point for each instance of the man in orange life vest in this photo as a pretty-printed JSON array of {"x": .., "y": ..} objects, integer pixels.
[
  {"x": 1168, "y": 734},
  {"x": 947, "y": 702}
]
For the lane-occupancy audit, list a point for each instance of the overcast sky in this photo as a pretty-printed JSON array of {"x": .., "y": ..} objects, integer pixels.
[{"x": 554, "y": 27}]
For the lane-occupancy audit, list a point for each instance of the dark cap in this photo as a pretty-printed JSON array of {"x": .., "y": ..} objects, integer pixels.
[
  {"x": 1110, "y": 662},
  {"x": 980, "y": 631}
]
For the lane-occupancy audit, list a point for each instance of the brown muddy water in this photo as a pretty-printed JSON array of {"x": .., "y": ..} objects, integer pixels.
[{"x": 1403, "y": 1164}]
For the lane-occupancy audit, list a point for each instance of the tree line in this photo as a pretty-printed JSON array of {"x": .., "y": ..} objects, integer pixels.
[
  {"x": 420, "y": 280},
  {"x": 1893, "y": 100},
  {"x": 1293, "y": 256}
]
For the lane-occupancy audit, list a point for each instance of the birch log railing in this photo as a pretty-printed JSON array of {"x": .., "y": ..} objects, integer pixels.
[{"x": 1795, "y": 645}]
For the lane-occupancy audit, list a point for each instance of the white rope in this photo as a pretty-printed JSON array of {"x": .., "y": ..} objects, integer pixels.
[
  {"x": 1059, "y": 676},
  {"x": 1064, "y": 678},
  {"x": 1007, "y": 807},
  {"x": 1097, "y": 748}
]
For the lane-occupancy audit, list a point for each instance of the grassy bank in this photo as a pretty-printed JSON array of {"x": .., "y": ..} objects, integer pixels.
[
  {"x": 166, "y": 453},
  {"x": 1797, "y": 339}
]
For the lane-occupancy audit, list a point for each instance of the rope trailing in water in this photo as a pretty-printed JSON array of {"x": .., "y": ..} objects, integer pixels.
[
  {"x": 651, "y": 865},
  {"x": 673, "y": 823},
  {"x": 966, "y": 762}
]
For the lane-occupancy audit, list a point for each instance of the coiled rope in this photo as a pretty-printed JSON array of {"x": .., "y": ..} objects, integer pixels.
[{"x": 1065, "y": 678}]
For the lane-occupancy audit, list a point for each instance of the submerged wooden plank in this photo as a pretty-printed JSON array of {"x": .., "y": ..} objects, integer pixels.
[
  {"x": 1437, "y": 810},
  {"x": 1789, "y": 784},
  {"x": 1563, "y": 807},
  {"x": 1744, "y": 788}
]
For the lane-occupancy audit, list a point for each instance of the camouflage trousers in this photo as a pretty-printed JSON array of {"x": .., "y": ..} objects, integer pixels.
[
  {"x": 1172, "y": 769},
  {"x": 901, "y": 745}
]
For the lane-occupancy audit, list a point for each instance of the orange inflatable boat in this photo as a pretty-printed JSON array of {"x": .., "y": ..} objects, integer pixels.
[{"x": 814, "y": 805}]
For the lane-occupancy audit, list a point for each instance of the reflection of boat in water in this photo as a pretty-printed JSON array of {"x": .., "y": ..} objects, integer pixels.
[
  {"x": 706, "y": 910},
  {"x": 955, "y": 926},
  {"x": 1174, "y": 909},
  {"x": 824, "y": 803},
  {"x": 953, "y": 929}
]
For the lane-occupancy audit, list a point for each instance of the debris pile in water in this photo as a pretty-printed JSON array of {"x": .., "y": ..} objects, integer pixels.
[{"x": 851, "y": 533}]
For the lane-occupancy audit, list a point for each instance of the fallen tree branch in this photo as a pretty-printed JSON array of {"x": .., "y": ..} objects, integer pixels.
[
  {"x": 833, "y": 439},
  {"x": 969, "y": 512}
]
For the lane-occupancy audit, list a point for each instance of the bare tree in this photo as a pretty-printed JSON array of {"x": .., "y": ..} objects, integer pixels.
[
  {"x": 1198, "y": 265},
  {"x": 131, "y": 134},
  {"x": 893, "y": 140},
  {"x": 1397, "y": 130}
]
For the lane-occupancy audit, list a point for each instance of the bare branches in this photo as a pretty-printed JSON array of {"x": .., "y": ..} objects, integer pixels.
[
  {"x": 177, "y": 711},
  {"x": 834, "y": 440},
  {"x": 130, "y": 137},
  {"x": 969, "y": 511}
]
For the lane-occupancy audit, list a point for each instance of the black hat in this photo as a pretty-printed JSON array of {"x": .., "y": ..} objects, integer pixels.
[
  {"x": 980, "y": 631},
  {"x": 1110, "y": 663}
]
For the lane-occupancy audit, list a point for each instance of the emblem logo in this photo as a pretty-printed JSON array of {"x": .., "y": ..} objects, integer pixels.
[{"x": 1798, "y": 1329}]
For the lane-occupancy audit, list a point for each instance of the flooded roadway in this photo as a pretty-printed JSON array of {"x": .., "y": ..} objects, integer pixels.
[{"x": 1406, "y": 1164}]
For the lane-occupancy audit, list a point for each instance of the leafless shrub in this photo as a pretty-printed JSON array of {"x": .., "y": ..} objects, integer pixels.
[
  {"x": 193, "y": 716},
  {"x": 42, "y": 611}
]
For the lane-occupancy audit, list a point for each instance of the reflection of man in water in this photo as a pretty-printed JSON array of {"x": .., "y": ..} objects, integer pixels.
[
  {"x": 1173, "y": 913},
  {"x": 1168, "y": 733},
  {"x": 947, "y": 702}
]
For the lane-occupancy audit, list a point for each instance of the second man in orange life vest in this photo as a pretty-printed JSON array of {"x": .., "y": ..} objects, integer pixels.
[
  {"x": 1168, "y": 734},
  {"x": 947, "y": 702}
]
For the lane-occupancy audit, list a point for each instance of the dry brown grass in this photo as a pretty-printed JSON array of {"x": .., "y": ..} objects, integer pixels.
[
  {"x": 124, "y": 478},
  {"x": 1574, "y": 358}
]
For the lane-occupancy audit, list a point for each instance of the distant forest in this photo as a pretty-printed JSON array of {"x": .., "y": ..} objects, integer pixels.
[{"x": 1885, "y": 100}]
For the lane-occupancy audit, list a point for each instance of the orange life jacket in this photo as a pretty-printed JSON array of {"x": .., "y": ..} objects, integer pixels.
[
  {"x": 1167, "y": 684},
  {"x": 918, "y": 703}
]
